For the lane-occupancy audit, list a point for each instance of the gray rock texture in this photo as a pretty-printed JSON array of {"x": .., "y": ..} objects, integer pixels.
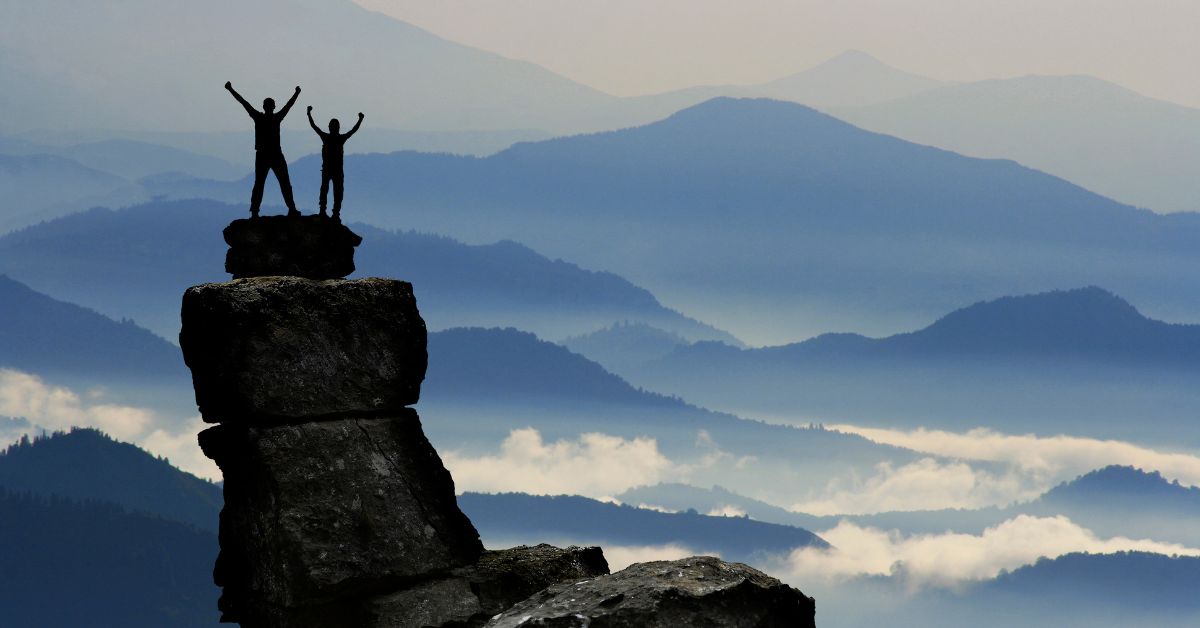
[
  {"x": 699, "y": 592},
  {"x": 298, "y": 246},
  {"x": 472, "y": 595},
  {"x": 331, "y": 510},
  {"x": 276, "y": 349}
]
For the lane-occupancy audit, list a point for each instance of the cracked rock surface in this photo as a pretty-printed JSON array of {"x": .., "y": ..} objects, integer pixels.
[
  {"x": 700, "y": 592},
  {"x": 323, "y": 510},
  {"x": 281, "y": 349}
]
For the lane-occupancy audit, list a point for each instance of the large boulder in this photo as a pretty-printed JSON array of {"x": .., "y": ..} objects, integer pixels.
[
  {"x": 276, "y": 349},
  {"x": 472, "y": 595},
  {"x": 299, "y": 246},
  {"x": 323, "y": 511},
  {"x": 700, "y": 592}
]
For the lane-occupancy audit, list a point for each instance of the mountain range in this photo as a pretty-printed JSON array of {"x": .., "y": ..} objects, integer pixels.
[
  {"x": 778, "y": 222},
  {"x": 1096, "y": 134},
  {"x": 518, "y": 518},
  {"x": 136, "y": 262},
  {"x": 1079, "y": 361},
  {"x": 50, "y": 337}
]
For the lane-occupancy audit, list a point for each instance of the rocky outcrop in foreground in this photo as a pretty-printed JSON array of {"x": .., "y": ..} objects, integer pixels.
[
  {"x": 701, "y": 591},
  {"x": 312, "y": 247},
  {"x": 339, "y": 512}
]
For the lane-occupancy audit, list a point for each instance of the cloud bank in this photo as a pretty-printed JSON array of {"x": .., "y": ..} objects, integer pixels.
[
  {"x": 49, "y": 408},
  {"x": 950, "y": 559},
  {"x": 1050, "y": 457},
  {"x": 594, "y": 465},
  {"x": 925, "y": 484}
]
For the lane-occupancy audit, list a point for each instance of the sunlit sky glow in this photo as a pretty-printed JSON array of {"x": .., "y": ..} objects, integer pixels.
[{"x": 629, "y": 47}]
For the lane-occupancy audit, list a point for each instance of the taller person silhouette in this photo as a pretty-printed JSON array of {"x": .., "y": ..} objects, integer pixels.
[
  {"x": 332, "y": 149},
  {"x": 268, "y": 156}
]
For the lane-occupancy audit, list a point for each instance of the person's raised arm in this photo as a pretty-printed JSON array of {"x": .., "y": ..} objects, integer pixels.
[
  {"x": 250, "y": 110},
  {"x": 356, "y": 125},
  {"x": 314, "y": 124},
  {"x": 291, "y": 101}
]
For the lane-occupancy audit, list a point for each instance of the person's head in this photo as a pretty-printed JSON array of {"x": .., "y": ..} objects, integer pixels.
[
  {"x": 334, "y": 125},
  {"x": 269, "y": 105}
]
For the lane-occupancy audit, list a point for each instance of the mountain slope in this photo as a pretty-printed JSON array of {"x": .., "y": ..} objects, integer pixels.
[
  {"x": 42, "y": 335},
  {"x": 483, "y": 384},
  {"x": 579, "y": 520},
  {"x": 92, "y": 564},
  {"x": 780, "y": 222},
  {"x": 1081, "y": 362},
  {"x": 86, "y": 465},
  {"x": 853, "y": 78},
  {"x": 41, "y": 186},
  {"x": 1099, "y": 135},
  {"x": 138, "y": 261}
]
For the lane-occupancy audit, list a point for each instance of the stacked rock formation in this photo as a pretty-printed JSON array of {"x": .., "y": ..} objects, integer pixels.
[{"x": 338, "y": 511}]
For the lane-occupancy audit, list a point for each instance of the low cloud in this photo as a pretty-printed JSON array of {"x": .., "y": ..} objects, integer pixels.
[
  {"x": 727, "y": 511},
  {"x": 50, "y": 408},
  {"x": 925, "y": 484},
  {"x": 594, "y": 465},
  {"x": 950, "y": 559},
  {"x": 1049, "y": 457}
]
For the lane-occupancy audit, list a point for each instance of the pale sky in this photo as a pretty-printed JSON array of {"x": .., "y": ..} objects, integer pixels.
[{"x": 628, "y": 47}]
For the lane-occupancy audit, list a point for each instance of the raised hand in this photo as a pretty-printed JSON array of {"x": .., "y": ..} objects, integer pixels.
[
  {"x": 360, "y": 115},
  {"x": 229, "y": 86},
  {"x": 297, "y": 89},
  {"x": 310, "y": 108}
]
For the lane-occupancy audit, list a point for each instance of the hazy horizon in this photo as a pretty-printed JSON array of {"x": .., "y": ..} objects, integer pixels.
[{"x": 627, "y": 48}]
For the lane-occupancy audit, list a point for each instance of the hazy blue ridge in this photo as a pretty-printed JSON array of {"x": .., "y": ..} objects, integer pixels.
[
  {"x": 770, "y": 216},
  {"x": 43, "y": 335},
  {"x": 1080, "y": 361},
  {"x": 583, "y": 520},
  {"x": 87, "y": 465},
  {"x": 136, "y": 263},
  {"x": 1153, "y": 583}
]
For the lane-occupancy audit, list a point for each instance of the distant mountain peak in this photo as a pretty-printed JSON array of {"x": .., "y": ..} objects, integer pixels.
[
  {"x": 852, "y": 78},
  {"x": 1117, "y": 482},
  {"x": 1090, "y": 303}
]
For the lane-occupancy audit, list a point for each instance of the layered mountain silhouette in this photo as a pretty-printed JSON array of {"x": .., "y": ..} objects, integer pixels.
[
  {"x": 86, "y": 465},
  {"x": 134, "y": 263},
  {"x": 484, "y": 383},
  {"x": 42, "y": 335},
  {"x": 1112, "y": 501},
  {"x": 1078, "y": 361},
  {"x": 516, "y": 517},
  {"x": 777, "y": 221},
  {"x": 1099, "y": 135},
  {"x": 1089, "y": 324},
  {"x": 41, "y": 186}
]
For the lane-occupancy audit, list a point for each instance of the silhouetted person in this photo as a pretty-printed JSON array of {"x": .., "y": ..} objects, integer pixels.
[
  {"x": 332, "y": 149},
  {"x": 268, "y": 155}
]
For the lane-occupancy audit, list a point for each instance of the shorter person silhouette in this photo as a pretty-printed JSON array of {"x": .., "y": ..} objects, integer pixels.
[{"x": 332, "y": 150}]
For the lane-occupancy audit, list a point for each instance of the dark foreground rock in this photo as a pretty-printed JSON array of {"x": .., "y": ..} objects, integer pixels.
[
  {"x": 301, "y": 246},
  {"x": 699, "y": 592},
  {"x": 470, "y": 596},
  {"x": 272, "y": 349},
  {"x": 323, "y": 513}
]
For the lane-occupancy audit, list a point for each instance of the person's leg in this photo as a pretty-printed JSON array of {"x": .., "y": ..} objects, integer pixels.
[
  {"x": 261, "y": 167},
  {"x": 325, "y": 190},
  {"x": 285, "y": 183},
  {"x": 338, "y": 178}
]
